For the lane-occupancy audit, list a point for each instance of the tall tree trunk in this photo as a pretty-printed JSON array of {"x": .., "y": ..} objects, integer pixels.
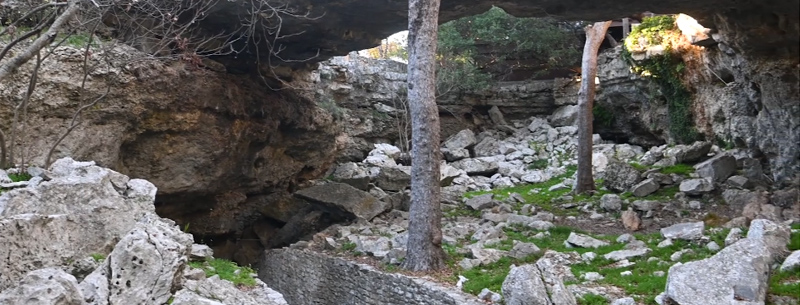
[
  {"x": 424, "y": 248},
  {"x": 594, "y": 37}
]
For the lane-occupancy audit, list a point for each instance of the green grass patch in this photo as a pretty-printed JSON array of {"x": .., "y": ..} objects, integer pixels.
[
  {"x": 638, "y": 166},
  {"x": 98, "y": 257},
  {"x": 785, "y": 284},
  {"x": 592, "y": 299},
  {"x": 538, "y": 164},
  {"x": 349, "y": 246},
  {"x": 537, "y": 194},
  {"x": 227, "y": 270},
  {"x": 680, "y": 169},
  {"x": 20, "y": 177},
  {"x": 794, "y": 240}
]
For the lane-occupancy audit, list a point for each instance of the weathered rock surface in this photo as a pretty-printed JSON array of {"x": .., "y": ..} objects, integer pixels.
[
  {"x": 717, "y": 168},
  {"x": 215, "y": 291},
  {"x": 524, "y": 286},
  {"x": 737, "y": 274},
  {"x": 49, "y": 286},
  {"x": 686, "y": 231},
  {"x": 84, "y": 209},
  {"x": 343, "y": 198},
  {"x": 620, "y": 176}
]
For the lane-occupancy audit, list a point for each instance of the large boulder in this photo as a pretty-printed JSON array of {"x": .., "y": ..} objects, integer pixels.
[
  {"x": 461, "y": 140},
  {"x": 476, "y": 167},
  {"x": 344, "y": 199},
  {"x": 692, "y": 153},
  {"x": 718, "y": 168},
  {"x": 564, "y": 116},
  {"x": 687, "y": 231},
  {"x": 392, "y": 179},
  {"x": 49, "y": 286},
  {"x": 352, "y": 174},
  {"x": 736, "y": 275},
  {"x": 213, "y": 290},
  {"x": 696, "y": 186},
  {"x": 620, "y": 176},
  {"x": 144, "y": 267},
  {"x": 84, "y": 209},
  {"x": 524, "y": 286}
]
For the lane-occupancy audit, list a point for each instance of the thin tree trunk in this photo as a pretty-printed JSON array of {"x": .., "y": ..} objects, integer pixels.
[
  {"x": 41, "y": 42},
  {"x": 594, "y": 37},
  {"x": 424, "y": 248}
]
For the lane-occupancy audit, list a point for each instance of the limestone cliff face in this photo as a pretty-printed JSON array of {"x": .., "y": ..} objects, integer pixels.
[
  {"x": 744, "y": 92},
  {"x": 222, "y": 149}
]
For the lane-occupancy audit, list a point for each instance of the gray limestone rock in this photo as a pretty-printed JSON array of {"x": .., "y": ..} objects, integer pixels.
[
  {"x": 521, "y": 250},
  {"x": 143, "y": 268},
  {"x": 585, "y": 241},
  {"x": 611, "y": 202},
  {"x": 79, "y": 212},
  {"x": 564, "y": 116},
  {"x": 685, "y": 231},
  {"x": 49, "y": 286},
  {"x": 392, "y": 179},
  {"x": 620, "y": 176},
  {"x": 201, "y": 252},
  {"x": 530, "y": 222},
  {"x": 464, "y": 139},
  {"x": 626, "y": 254},
  {"x": 524, "y": 286},
  {"x": 480, "y": 202},
  {"x": 696, "y": 186},
  {"x": 735, "y": 275},
  {"x": 644, "y": 188},
  {"x": 345, "y": 198},
  {"x": 792, "y": 262},
  {"x": 215, "y": 291},
  {"x": 693, "y": 153},
  {"x": 352, "y": 174},
  {"x": 718, "y": 168},
  {"x": 476, "y": 167}
]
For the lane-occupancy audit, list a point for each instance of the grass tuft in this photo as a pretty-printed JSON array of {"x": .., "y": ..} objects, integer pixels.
[{"x": 227, "y": 270}]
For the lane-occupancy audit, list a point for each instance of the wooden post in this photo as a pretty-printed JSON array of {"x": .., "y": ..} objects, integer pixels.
[{"x": 626, "y": 27}]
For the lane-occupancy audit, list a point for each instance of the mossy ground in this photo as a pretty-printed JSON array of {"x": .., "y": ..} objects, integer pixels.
[{"x": 227, "y": 270}]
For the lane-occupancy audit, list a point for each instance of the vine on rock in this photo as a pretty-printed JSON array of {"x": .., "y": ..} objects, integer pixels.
[{"x": 652, "y": 51}]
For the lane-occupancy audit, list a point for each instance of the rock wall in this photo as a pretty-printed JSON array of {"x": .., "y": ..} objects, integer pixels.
[
  {"x": 224, "y": 150},
  {"x": 307, "y": 278},
  {"x": 745, "y": 94}
]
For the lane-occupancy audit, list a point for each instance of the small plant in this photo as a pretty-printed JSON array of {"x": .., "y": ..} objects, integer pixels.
[
  {"x": 348, "y": 246},
  {"x": 603, "y": 116},
  {"x": 638, "y": 166},
  {"x": 538, "y": 164},
  {"x": 98, "y": 257},
  {"x": 227, "y": 270},
  {"x": 17, "y": 177},
  {"x": 592, "y": 299},
  {"x": 680, "y": 169}
]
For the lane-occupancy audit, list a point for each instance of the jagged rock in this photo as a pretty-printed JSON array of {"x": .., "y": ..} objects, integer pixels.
[
  {"x": 377, "y": 246},
  {"x": 524, "y": 286},
  {"x": 345, "y": 198},
  {"x": 739, "y": 182},
  {"x": 201, "y": 252},
  {"x": 696, "y": 186},
  {"x": 592, "y": 276},
  {"x": 480, "y": 202},
  {"x": 646, "y": 205},
  {"x": 384, "y": 149},
  {"x": 555, "y": 269},
  {"x": 537, "y": 125},
  {"x": 455, "y": 154},
  {"x": 487, "y": 147},
  {"x": 733, "y": 236},
  {"x": 530, "y": 222},
  {"x": 718, "y": 168},
  {"x": 464, "y": 139},
  {"x": 626, "y": 254},
  {"x": 495, "y": 217},
  {"x": 534, "y": 177},
  {"x": 476, "y": 167},
  {"x": 693, "y": 153},
  {"x": 712, "y": 246},
  {"x": 644, "y": 188},
  {"x": 49, "y": 286},
  {"x": 488, "y": 295},
  {"x": 497, "y": 116},
  {"x": 213, "y": 291},
  {"x": 620, "y": 176},
  {"x": 792, "y": 262},
  {"x": 489, "y": 232},
  {"x": 564, "y": 116},
  {"x": 84, "y": 209},
  {"x": 611, "y": 202},
  {"x": 624, "y": 301},
  {"x": 736, "y": 274},
  {"x": 144, "y": 266},
  {"x": 630, "y": 220},
  {"x": 685, "y": 231},
  {"x": 786, "y": 198},
  {"x": 487, "y": 256},
  {"x": 521, "y": 250},
  {"x": 660, "y": 178},
  {"x": 392, "y": 179},
  {"x": 352, "y": 174},
  {"x": 585, "y": 241}
]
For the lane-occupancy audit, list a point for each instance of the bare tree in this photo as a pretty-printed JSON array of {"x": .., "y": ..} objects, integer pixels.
[
  {"x": 424, "y": 248},
  {"x": 595, "y": 34}
]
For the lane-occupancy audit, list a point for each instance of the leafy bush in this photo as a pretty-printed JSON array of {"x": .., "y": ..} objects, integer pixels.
[
  {"x": 470, "y": 48},
  {"x": 665, "y": 70}
]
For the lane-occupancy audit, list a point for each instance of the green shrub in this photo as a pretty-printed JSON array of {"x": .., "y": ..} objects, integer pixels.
[
  {"x": 227, "y": 270},
  {"x": 20, "y": 177}
]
